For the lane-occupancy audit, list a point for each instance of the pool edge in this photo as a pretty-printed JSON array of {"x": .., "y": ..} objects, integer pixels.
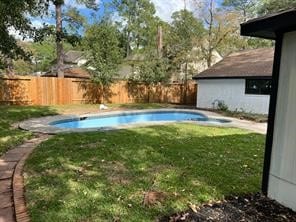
[{"x": 43, "y": 125}]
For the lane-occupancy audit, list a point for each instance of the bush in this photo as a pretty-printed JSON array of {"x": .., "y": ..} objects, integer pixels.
[{"x": 222, "y": 106}]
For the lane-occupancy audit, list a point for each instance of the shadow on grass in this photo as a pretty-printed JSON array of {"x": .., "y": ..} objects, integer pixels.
[
  {"x": 103, "y": 176},
  {"x": 11, "y": 136}
]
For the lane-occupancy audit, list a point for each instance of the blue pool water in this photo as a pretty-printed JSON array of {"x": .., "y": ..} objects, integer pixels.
[{"x": 131, "y": 118}]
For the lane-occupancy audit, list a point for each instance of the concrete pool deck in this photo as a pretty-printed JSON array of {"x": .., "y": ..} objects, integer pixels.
[{"x": 42, "y": 125}]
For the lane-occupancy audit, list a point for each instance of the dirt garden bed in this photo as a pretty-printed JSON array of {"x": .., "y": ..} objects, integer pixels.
[{"x": 248, "y": 208}]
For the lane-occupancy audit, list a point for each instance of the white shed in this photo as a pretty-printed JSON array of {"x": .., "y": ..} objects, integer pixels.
[{"x": 241, "y": 81}]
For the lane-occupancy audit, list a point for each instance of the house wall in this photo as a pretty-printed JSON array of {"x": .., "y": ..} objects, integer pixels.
[
  {"x": 282, "y": 178},
  {"x": 232, "y": 92}
]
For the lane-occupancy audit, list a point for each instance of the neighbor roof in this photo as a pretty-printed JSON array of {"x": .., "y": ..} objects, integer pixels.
[
  {"x": 270, "y": 26},
  {"x": 71, "y": 72},
  {"x": 247, "y": 63},
  {"x": 72, "y": 56}
]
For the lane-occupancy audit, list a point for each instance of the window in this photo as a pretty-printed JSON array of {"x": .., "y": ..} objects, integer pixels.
[{"x": 258, "y": 86}]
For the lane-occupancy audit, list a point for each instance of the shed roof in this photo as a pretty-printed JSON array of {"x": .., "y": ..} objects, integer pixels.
[
  {"x": 270, "y": 26},
  {"x": 243, "y": 64}
]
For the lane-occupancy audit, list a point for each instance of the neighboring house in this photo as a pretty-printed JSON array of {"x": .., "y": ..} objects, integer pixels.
[
  {"x": 73, "y": 60},
  {"x": 128, "y": 67},
  {"x": 241, "y": 81},
  {"x": 195, "y": 67}
]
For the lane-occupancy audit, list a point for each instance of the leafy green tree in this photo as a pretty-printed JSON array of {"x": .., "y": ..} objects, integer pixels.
[
  {"x": 42, "y": 56},
  {"x": 185, "y": 35},
  {"x": 246, "y": 7},
  {"x": 22, "y": 67},
  {"x": 243, "y": 10},
  {"x": 270, "y": 6},
  {"x": 104, "y": 54},
  {"x": 222, "y": 30},
  {"x": 152, "y": 71},
  {"x": 138, "y": 22},
  {"x": 74, "y": 21},
  {"x": 13, "y": 16},
  {"x": 43, "y": 53}
]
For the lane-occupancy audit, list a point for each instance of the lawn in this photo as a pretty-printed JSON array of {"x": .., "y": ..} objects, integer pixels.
[
  {"x": 104, "y": 176},
  {"x": 11, "y": 136}
]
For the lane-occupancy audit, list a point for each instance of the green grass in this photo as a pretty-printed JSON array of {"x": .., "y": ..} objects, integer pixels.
[
  {"x": 11, "y": 136},
  {"x": 102, "y": 176}
]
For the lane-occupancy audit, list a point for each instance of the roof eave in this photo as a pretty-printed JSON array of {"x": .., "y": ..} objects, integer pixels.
[
  {"x": 233, "y": 77},
  {"x": 271, "y": 26}
]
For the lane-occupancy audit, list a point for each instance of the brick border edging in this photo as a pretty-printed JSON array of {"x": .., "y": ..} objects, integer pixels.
[
  {"x": 18, "y": 188},
  {"x": 21, "y": 213}
]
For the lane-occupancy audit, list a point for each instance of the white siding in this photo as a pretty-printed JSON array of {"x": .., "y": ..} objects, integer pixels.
[
  {"x": 232, "y": 92},
  {"x": 282, "y": 181}
]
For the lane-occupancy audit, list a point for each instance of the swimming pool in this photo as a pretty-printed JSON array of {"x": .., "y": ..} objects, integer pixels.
[{"x": 115, "y": 120}]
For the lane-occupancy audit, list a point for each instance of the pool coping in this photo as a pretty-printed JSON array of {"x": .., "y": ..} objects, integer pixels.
[{"x": 42, "y": 125}]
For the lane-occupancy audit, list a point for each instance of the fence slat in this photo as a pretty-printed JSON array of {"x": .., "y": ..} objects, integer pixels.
[{"x": 56, "y": 91}]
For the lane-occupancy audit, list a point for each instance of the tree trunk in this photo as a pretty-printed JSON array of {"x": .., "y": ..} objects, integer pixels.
[
  {"x": 128, "y": 44},
  {"x": 148, "y": 87},
  {"x": 159, "y": 41},
  {"x": 185, "y": 83},
  {"x": 209, "y": 58},
  {"x": 210, "y": 47},
  {"x": 245, "y": 15},
  {"x": 9, "y": 67},
  {"x": 59, "y": 41}
]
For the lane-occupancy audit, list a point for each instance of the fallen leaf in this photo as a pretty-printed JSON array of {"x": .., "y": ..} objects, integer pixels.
[{"x": 153, "y": 197}]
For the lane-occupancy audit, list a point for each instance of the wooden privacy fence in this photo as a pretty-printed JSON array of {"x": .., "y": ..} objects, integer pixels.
[{"x": 57, "y": 91}]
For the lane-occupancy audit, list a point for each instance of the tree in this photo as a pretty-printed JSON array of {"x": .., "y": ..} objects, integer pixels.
[
  {"x": 104, "y": 54},
  {"x": 270, "y": 6},
  {"x": 221, "y": 27},
  {"x": 152, "y": 71},
  {"x": 13, "y": 17},
  {"x": 74, "y": 21},
  {"x": 138, "y": 23},
  {"x": 185, "y": 34},
  {"x": 43, "y": 53},
  {"x": 243, "y": 10},
  {"x": 246, "y": 7}
]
